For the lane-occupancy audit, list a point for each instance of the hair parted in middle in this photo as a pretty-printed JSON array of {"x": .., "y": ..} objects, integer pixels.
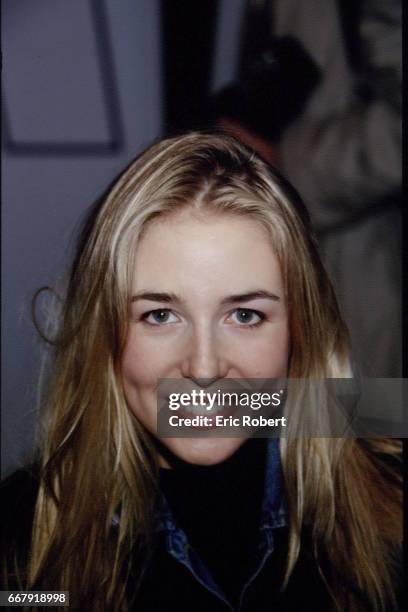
[{"x": 99, "y": 459}]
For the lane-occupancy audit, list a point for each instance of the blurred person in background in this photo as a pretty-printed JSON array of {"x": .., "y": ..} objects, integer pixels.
[{"x": 319, "y": 95}]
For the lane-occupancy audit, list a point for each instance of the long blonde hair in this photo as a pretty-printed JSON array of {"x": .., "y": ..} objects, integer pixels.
[{"x": 98, "y": 460}]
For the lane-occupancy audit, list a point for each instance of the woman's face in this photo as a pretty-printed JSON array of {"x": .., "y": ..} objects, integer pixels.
[{"x": 208, "y": 303}]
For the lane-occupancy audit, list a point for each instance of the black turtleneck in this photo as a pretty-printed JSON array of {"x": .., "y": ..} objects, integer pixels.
[{"x": 219, "y": 509}]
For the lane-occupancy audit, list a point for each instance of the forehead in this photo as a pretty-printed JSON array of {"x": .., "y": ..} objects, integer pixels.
[{"x": 217, "y": 252}]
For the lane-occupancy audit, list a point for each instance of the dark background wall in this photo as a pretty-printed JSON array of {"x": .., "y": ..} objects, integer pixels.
[{"x": 85, "y": 85}]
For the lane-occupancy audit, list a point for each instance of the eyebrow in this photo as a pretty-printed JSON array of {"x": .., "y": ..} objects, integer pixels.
[
  {"x": 251, "y": 295},
  {"x": 231, "y": 299},
  {"x": 154, "y": 296}
]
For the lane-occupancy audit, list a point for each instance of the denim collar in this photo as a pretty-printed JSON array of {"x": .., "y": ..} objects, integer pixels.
[{"x": 273, "y": 516}]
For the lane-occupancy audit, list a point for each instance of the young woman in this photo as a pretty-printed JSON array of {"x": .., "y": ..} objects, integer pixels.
[{"x": 199, "y": 265}]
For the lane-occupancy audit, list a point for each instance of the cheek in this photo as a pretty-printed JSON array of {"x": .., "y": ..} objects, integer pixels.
[
  {"x": 143, "y": 361},
  {"x": 140, "y": 370},
  {"x": 268, "y": 356}
]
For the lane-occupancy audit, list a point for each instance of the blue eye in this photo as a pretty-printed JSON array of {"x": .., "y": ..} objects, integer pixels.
[
  {"x": 161, "y": 316},
  {"x": 245, "y": 317}
]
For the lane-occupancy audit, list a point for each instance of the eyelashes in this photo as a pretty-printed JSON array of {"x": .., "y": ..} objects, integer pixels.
[
  {"x": 160, "y": 316},
  {"x": 243, "y": 317},
  {"x": 246, "y": 316}
]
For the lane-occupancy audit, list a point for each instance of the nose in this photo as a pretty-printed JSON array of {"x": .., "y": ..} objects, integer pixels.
[{"x": 204, "y": 362}]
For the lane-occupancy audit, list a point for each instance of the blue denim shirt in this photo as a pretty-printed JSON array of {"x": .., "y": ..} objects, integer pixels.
[{"x": 273, "y": 516}]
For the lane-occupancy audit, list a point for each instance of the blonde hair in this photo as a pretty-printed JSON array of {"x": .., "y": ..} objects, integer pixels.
[{"x": 97, "y": 458}]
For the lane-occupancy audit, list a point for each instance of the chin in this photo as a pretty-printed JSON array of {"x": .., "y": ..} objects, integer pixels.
[{"x": 203, "y": 451}]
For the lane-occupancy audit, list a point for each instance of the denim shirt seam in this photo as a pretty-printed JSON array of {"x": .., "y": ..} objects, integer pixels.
[{"x": 273, "y": 516}]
